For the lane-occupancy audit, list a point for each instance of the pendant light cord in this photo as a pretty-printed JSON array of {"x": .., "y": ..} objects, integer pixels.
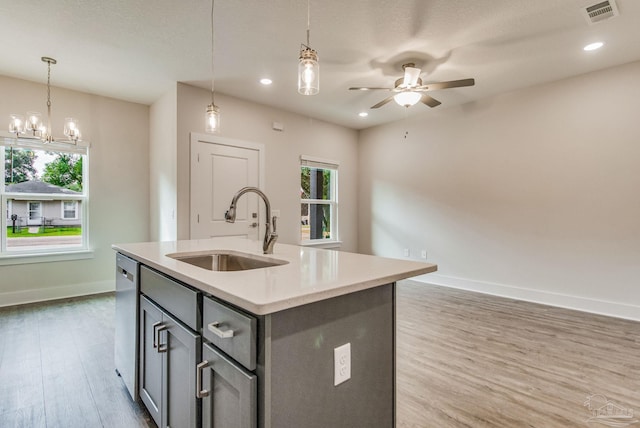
[
  {"x": 308, "y": 21},
  {"x": 212, "y": 49},
  {"x": 48, "y": 99}
]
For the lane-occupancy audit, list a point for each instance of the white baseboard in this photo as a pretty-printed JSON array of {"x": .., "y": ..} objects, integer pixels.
[
  {"x": 52, "y": 293},
  {"x": 613, "y": 309}
]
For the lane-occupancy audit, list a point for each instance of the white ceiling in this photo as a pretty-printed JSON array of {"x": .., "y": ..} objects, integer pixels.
[{"x": 136, "y": 49}]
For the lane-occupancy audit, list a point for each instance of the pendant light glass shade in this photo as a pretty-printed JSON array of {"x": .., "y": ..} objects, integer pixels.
[
  {"x": 213, "y": 119},
  {"x": 308, "y": 72},
  {"x": 308, "y": 67},
  {"x": 407, "y": 99}
]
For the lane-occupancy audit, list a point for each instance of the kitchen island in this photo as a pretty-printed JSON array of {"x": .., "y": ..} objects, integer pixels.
[{"x": 307, "y": 342}]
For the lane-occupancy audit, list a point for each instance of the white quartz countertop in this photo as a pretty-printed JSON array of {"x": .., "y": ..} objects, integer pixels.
[{"x": 310, "y": 275}]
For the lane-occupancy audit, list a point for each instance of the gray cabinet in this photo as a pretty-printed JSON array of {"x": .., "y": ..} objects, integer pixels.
[
  {"x": 228, "y": 392},
  {"x": 169, "y": 353}
]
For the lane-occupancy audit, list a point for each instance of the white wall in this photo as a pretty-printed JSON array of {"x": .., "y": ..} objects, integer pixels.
[
  {"x": 118, "y": 188},
  {"x": 533, "y": 194},
  {"x": 162, "y": 167},
  {"x": 244, "y": 120}
]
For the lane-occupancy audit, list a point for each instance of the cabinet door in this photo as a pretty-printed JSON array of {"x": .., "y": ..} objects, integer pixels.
[
  {"x": 180, "y": 407},
  {"x": 150, "y": 370},
  {"x": 230, "y": 400}
]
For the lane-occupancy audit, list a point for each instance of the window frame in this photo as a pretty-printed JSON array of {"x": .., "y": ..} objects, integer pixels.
[
  {"x": 332, "y": 202},
  {"x": 53, "y": 253}
]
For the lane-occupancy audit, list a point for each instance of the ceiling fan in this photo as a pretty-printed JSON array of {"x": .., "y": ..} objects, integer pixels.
[{"x": 409, "y": 89}]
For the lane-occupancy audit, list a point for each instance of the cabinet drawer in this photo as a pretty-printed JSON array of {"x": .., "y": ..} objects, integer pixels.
[
  {"x": 177, "y": 299},
  {"x": 231, "y": 331}
]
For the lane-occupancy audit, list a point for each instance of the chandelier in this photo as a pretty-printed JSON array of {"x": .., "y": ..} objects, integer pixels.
[{"x": 33, "y": 128}]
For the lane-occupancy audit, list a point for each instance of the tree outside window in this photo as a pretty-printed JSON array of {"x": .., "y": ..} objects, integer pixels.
[{"x": 318, "y": 208}]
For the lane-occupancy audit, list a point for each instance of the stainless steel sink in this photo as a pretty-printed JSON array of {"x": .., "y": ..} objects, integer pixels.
[{"x": 226, "y": 261}]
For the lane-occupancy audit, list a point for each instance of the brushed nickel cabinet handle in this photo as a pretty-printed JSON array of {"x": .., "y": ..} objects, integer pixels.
[
  {"x": 157, "y": 328},
  {"x": 201, "y": 393},
  {"x": 223, "y": 334}
]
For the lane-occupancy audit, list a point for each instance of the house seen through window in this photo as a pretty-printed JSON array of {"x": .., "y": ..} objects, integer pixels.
[
  {"x": 319, "y": 200},
  {"x": 44, "y": 198}
]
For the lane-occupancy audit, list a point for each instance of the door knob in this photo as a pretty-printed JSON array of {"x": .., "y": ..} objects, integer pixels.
[{"x": 254, "y": 224}]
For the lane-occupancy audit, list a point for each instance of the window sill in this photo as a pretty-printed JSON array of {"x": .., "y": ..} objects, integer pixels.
[
  {"x": 322, "y": 244},
  {"x": 21, "y": 259}
]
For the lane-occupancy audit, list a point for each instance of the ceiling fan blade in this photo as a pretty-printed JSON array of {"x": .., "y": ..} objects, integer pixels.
[
  {"x": 369, "y": 89},
  {"x": 411, "y": 75},
  {"x": 447, "y": 85},
  {"x": 383, "y": 102},
  {"x": 431, "y": 102}
]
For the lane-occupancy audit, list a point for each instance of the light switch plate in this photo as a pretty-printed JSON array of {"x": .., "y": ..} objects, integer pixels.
[{"x": 342, "y": 364}]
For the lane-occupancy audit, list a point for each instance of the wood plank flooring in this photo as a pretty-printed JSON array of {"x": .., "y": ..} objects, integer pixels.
[
  {"x": 471, "y": 360},
  {"x": 463, "y": 360},
  {"x": 56, "y": 367}
]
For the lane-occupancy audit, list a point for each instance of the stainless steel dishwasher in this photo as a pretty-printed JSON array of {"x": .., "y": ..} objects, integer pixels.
[{"x": 126, "y": 320}]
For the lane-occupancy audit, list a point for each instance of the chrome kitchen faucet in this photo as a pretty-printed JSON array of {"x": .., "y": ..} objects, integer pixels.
[{"x": 270, "y": 236}]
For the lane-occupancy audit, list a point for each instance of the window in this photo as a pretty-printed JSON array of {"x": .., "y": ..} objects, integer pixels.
[
  {"x": 45, "y": 198},
  {"x": 69, "y": 210},
  {"x": 318, "y": 201}
]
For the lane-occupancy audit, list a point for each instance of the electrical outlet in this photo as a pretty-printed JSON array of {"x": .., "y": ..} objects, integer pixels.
[
  {"x": 423, "y": 254},
  {"x": 406, "y": 252},
  {"x": 342, "y": 364}
]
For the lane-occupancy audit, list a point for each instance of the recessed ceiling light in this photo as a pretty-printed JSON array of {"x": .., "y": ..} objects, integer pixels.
[
  {"x": 593, "y": 46},
  {"x": 266, "y": 81},
  {"x": 363, "y": 114}
]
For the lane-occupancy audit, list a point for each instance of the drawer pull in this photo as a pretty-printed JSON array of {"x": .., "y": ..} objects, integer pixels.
[
  {"x": 201, "y": 393},
  {"x": 157, "y": 328},
  {"x": 214, "y": 328}
]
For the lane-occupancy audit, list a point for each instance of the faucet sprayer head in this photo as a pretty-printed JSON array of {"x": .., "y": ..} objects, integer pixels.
[{"x": 230, "y": 215}]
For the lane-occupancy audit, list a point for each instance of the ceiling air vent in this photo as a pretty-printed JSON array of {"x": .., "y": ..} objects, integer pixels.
[{"x": 601, "y": 11}]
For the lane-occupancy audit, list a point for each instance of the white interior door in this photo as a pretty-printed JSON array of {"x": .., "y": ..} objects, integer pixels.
[{"x": 218, "y": 171}]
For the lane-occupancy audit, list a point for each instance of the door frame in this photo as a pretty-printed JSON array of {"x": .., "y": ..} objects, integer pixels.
[{"x": 195, "y": 138}]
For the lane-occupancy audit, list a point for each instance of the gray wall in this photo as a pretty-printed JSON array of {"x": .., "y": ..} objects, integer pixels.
[{"x": 531, "y": 194}]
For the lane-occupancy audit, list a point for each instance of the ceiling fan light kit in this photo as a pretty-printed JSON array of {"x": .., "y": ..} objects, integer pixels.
[
  {"x": 410, "y": 90},
  {"x": 407, "y": 98}
]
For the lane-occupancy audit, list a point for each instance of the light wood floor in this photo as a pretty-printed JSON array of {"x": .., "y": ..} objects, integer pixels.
[
  {"x": 56, "y": 367},
  {"x": 471, "y": 360},
  {"x": 463, "y": 360}
]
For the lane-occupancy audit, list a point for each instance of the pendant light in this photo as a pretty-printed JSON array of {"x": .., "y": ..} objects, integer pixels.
[
  {"x": 308, "y": 68},
  {"x": 33, "y": 128},
  {"x": 213, "y": 111}
]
